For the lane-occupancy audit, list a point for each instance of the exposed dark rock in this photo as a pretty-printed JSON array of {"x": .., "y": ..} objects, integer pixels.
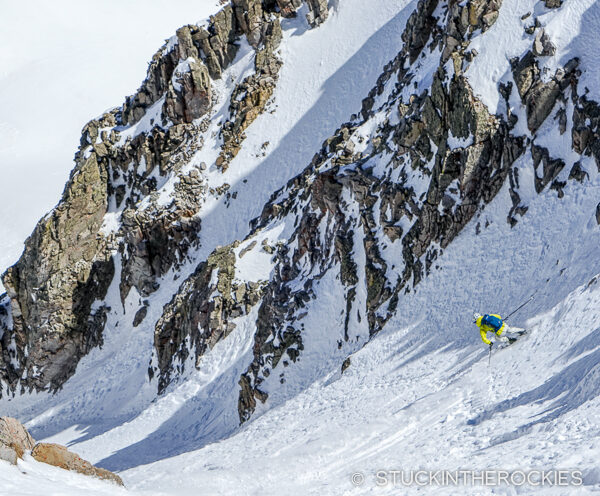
[
  {"x": 218, "y": 44},
  {"x": 140, "y": 315},
  {"x": 65, "y": 268},
  {"x": 288, "y": 8},
  {"x": 159, "y": 81},
  {"x": 542, "y": 45},
  {"x": 250, "y": 17},
  {"x": 580, "y": 136},
  {"x": 196, "y": 313},
  {"x": 553, "y": 4},
  {"x": 57, "y": 287},
  {"x": 578, "y": 173},
  {"x": 251, "y": 96},
  {"x": 540, "y": 97},
  {"x": 346, "y": 364},
  {"x": 561, "y": 117},
  {"x": 550, "y": 167},
  {"x": 525, "y": 73},
  {"x": 586, "y": 128},
  {"x": 189, "y": 98},
  {"x": 418, "y": 28},
  {"x": 318, "y": 12},
  {"x": 479, "y": 170}
]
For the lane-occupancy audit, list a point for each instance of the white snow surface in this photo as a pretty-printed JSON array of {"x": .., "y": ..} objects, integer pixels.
[
  {"x": 32, "y": 478},
  {"x": 421, "y": 394},
  {"x": 573, "y": 29}
]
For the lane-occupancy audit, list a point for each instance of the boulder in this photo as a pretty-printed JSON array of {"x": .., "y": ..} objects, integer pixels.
[
  {"x": 318, "y": 12},
  {"x": 553, "y": 4},
  {"x": 14, "y": 439},
  {"x": 190, "y": 97},
  {"x": 140, "y": 316},
  {"x": 542, "y": 45},
  {"x": 8, "y": 455},
  {"x": 60, "y": 456}
]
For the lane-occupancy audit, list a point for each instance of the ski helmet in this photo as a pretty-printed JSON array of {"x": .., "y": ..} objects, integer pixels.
[{"x": 476, "y": 316}]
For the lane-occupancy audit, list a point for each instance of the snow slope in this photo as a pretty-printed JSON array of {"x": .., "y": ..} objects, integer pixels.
[
  {"x": 421, "y": 394},
  {"x": 31, "y": 478},
  {"x": 314, "y": 94},
  {"x": 573, "y": 29}
]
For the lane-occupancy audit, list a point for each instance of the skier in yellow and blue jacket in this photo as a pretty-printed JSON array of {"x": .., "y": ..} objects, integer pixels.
[{"x": 493, "y": 323}]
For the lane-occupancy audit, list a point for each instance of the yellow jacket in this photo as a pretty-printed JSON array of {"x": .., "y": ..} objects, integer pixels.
[{"x": 484, "y": 327}]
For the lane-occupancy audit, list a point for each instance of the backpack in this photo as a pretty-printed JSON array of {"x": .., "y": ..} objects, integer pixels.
[{"x": 492, "y": 321}]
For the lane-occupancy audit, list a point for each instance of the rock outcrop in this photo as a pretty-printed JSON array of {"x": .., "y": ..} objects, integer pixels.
[
  {"x": 60, "y": 456},
  {"x": 317, "y": 14},
  {"x": 460, "y": 179},
  {"x": 542, "y": 45},
  {"x": 538, "y": 96},
  {"x": 379, "y": 203},
  {"x": 251, "y": 96},
  {"x": 445, "y": 156},
  {"x": 178, "y": 74},
  {"x": 111, "y": 222},
  {"x": 201, "y": 313},
  {"x": 14, "y": 440},
  {"x": 64, "y": 269},
  {"x": 553, "y": 4}
]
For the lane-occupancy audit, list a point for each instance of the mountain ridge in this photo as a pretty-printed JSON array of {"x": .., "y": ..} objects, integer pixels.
[{"x": 338, "y": 249}]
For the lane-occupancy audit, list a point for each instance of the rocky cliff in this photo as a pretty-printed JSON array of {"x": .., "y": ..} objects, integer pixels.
[
  {"x": 364, "y": 222},
  {"x": 56, "y": 289}
]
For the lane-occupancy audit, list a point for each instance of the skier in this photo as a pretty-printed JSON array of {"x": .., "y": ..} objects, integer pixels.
[{"x": 494, "y": 323}]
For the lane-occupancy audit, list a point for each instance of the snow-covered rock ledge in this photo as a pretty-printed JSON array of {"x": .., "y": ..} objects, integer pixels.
[{"x": 16, "y": 443}]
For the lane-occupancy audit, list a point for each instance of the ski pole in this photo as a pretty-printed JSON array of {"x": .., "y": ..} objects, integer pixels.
[
  {"x": 490, "y": 356},
  {"x": 515, "y": 311}
]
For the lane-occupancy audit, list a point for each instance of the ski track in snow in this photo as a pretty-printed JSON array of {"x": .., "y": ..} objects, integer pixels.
[
  {"x": 314, "y": 94},
  {"x": 420, "y": 395},
  {"x": 422, "y": 384}
]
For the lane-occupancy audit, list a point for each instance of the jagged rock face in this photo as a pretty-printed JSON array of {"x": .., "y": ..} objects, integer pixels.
[
  {"x": 56, "y": 290},
  {"x": 444, "y": 157},
  {"x": 201, "y": 313},
  {"x": 396, "y": 184},
  {"x": 179, "y": 73},
  {"x": 250, "y": 98},
  {"x": 190, "y": 96},
  {"x": 63, "y": 270},
  {"x": 540, "y": 97},
  {"x": 68, "y": 262},
  {"x": 459, "y": 180}
]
